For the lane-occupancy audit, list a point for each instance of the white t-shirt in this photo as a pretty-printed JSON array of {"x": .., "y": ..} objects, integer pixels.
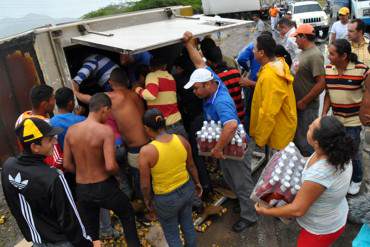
[
  {"x": 340, "y": 30},
  {"x": 329, "y": 212}
]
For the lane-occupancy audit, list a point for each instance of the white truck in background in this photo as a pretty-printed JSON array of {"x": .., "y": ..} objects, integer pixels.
[{"x": 216, "y": 7}]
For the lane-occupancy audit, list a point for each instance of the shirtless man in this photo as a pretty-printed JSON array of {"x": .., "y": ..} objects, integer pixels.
[
  {"x": 127, "y": 111},
  {"x": 365, "y": 120},
  {"x": 89, "y": 152}
]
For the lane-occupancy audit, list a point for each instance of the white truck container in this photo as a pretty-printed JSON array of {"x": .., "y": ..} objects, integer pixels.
[
  {"x": 53, "y": 54},
  {"x": 216, "y": 7}
]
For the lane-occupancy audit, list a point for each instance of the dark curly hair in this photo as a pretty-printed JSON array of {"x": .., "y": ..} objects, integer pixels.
[{"x": 333, "y": 140}]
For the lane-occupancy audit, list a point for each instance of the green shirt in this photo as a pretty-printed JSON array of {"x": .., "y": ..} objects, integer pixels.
[{"x": 311, "y": 64}]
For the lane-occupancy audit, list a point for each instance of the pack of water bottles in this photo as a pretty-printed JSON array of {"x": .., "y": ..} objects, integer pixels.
[
  {"x": 209, "y": 135},
  {"x": 281, "y": 178}
]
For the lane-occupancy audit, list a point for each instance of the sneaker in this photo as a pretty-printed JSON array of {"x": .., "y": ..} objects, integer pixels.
[
  {"x": 354, "y": 188},
  {"x": 242, "y": 224}
]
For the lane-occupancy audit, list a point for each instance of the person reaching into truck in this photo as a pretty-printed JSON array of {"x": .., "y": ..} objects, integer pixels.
[
  {"x": 96, "y": 67},
  {"x": 133, "y": 63},
  {"x": 320, "y": 205},
  {"x": 229, "y": 76},
  {"x": 160, "y": 93},
  {"x": 339, "y": 30}
]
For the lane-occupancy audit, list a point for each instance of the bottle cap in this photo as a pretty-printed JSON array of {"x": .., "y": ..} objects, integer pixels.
[
  {"x": 278, "y": 171},
  {"x": 239, "y": 142},
  {"x": 287, "y": 178},
  {"x": 291, "y": 144},
  {"x": 283, "y": 156},
  {"x": 291, "y": 164},
  {"x": 203, "y": 138},
  {"x": 205, "y": 124},
  {"x": 295, "y": 159},
  {"x": 276, "y": 178},
  {"x": 289, "y": 172},
  {"x": 296, "y": 180},
  {"x": 303, "y": 161},
  {"x": 217, "y": 137},
  {"x": 293, "y": 191},
  {"x": 297, "y": 187},
  {"x": 281, "y": 164},
  {"x": 209, "y": 137},
  {"x": 233, "y": 141},
  {"x": 300, "y": 168},
  {"x": 286, "y": 184}
]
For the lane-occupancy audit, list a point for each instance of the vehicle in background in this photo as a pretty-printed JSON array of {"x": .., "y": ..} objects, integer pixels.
[
  {"x": 217, "y": 7},
  {"x": 360, "y": 9},
  {"x": 311, "y": 12},
  {"x": 240, "y": 9}
]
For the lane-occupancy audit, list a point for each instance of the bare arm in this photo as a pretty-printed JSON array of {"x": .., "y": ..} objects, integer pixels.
[
  {"x": 68, "y": 162},
  {"x": 190, "y": 166},
  {"x": 306, "y": 196},
  {"x": 109, "y": 150},
  {"x": 194, "y": 54},
  {"x": 326, "y": 105},
  {"x": 84, "y": 98},
  {"x": 315, "y": 91},
  {"x": 146, "y": 157}
]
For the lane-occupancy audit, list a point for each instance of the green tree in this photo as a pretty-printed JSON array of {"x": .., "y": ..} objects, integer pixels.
[{"x": 142, "y": 5}]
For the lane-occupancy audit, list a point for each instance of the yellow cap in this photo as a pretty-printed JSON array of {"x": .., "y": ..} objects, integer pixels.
[{"x": 343, "y": 11}]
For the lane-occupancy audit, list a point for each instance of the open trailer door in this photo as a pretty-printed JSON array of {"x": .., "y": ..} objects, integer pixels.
[{"x": 149, "y": 36}]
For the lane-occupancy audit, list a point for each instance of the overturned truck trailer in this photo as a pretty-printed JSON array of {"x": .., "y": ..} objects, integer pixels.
[{"x": 53, "y": 54}]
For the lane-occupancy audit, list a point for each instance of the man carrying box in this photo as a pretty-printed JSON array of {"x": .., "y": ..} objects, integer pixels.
[{"x": 219, "y": 106}]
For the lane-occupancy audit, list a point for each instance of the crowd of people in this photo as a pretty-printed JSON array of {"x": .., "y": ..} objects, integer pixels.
[{"x": 137, "y": 139}]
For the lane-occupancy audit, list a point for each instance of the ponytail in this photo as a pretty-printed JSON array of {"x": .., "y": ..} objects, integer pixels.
[{"x": 353, "y": 58}]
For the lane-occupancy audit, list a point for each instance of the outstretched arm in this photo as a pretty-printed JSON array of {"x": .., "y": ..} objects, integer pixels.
[{"x": 194, "y": 54}]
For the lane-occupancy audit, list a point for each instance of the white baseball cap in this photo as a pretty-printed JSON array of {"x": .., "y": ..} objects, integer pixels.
[{"x": 199, "y": 75}]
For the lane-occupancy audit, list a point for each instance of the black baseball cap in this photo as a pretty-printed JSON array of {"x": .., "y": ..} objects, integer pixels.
[{"x": 32, "y": 129}]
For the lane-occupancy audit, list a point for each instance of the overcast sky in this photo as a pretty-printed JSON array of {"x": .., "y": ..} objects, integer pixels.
[{"x": 52, "y": 8}]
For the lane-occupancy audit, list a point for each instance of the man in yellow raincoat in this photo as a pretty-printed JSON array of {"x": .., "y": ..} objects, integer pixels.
[{"x": 274, "y": 113}]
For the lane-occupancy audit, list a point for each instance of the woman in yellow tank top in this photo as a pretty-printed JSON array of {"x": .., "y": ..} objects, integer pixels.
[{"x": 167, "y": 168}]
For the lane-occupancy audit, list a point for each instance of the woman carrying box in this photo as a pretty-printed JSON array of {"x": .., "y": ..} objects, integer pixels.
[{"x": 320, "y": 206}]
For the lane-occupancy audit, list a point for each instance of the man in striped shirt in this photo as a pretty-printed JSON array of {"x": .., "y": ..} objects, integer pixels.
[
  {"x": 160, "y": 93},
  {"x": 344, "y": 91},
  {"x": 98, "y": 67}
]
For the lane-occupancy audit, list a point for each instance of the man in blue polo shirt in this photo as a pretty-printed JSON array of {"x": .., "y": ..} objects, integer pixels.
[{"x": 219, "y": 106}]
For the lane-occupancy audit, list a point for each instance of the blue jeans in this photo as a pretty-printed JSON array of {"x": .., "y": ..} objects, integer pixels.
[
  {"x": 354, "y": 133},
  {"x": 174, "y": 209}
]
